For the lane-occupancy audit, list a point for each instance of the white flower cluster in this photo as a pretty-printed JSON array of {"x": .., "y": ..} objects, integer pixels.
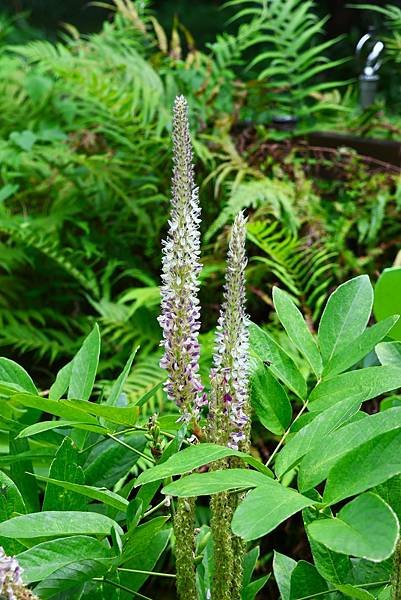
[
  {"x": 229, "y": 376},
  {"x": 180, "y": 309}
]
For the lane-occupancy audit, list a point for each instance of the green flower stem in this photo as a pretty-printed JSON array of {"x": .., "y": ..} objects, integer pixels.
[
  {"x": 184, "y": 522},
  {"x": 221, "y": 509},
  {"x": 396, "y": 579}
]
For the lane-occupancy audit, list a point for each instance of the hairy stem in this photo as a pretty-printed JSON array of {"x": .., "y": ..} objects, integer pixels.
[
  {"x": 396, "y": 579},
  {"x": 221, "y": 508},
  {"x": 184, "y": 522}
]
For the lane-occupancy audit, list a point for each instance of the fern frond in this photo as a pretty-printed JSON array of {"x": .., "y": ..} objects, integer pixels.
[
  {"x": 306, "y": 269},
  {"x": 274, "y": 195}
]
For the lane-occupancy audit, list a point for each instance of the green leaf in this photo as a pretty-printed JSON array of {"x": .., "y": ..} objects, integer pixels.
[
  {"x": 65, "y": 466},
  {"x": 269, "y": 400},
  {"x": 122, "y": 415},
  {"x": 213, "y": 482},
  {"x": 306, "y": 582},
  {"x": 109, "y": 461},
  {"x": 253, "y": 588},
  {"x": 118, "y": 385},
  {"x": 149, "y": 553},
  {"x": 283, "y": 567},
  {"x": 390, "y": 491},
  {"x": 70, "y": 576},
  {"x": 362, "y": 385},
  {"x": 387, "y": 298},
  {"x": 389, "y": 353},
  {"x": 266, "y": 507},
  {"x": 43, "y": 426},
  {"x": 140, "y": 539},
  {"x": 61, "y": 383},
  {"x": 20, "y": 460},
  {"x": 11, "y": 372},
  {"x": 332, "y": 566},
  {"x": 360, "y": 347},
  {"x": 84, "y": 367},
  {"x": 318, "y": 462},
  {"x": 354, "y": 592},
  {"x": 189, "y": 459},
  {"x": 23, "y": 139},
  {"x": 345, "y": 316},
  {"x": 366, "y": 527},
  {"x": 42, "y": 560},
  {"x": 368, "y": 465},
  {"x": 11, "y": 503},
  {"x": 310, "y": 437},
  {"x": 265, "y": 348},
  {"x": 297, "y": 330},
  {"x": 102, "y": 495},
  {"x": 56, "y": 523},
  {"x": 249, "y": 565},
  {"x": 56, "y": 408}
]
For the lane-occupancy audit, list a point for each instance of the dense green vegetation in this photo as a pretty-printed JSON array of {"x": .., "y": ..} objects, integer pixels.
[{"x": 85, "y": 152}]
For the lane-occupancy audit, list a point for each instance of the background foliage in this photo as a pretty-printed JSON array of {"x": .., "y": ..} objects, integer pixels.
[{"x": 85, "y": 174}]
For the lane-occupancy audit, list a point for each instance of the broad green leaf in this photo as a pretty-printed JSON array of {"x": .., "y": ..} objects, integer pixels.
[
  {"x": 310, "y": 437},
  {"x": 345, "y": 316},
  {"x": 189, "y": 459},
  {"x": 55, "y": 523},
  {"x": 332, "y": 566},
  {"x": 143, "y": 399},
  {"x": 283, "y": 567},
  {"x": 264, "y": 347},
  {"x": 316, "y": 465},
  {"x": 123, "y": 415},
  {"x": 359, "y": 348},
  {"x": 266, "y": 507},
  {"x": 253, "y": 588},
  {"x": 70, "y": 576},
  {"x": 350, "y": 591},
  {"x": 388, "y": 298},
  {"x": 56, "y": 408},
  {"x": 65, "y": 467},
  {"x": 20, "y": 458},
  {"x": 269, "y": 400},
  {"x": 362, "y": 385},
  {"x": 389, "y": 353},
  {"x": 213, "y": 482},
  {"x": 23, "y": 460},
  {"x": 44, "y": 426},
  {"x": 250, "y": 561},
  {"x": 366, "y": 527},
  {"x": 368, "y": 465},
  {"x": 61, "y": 382},
  {"x": 109, "y": 461},
  {"x": 102, "y": 495},
  {"x": 84, "y": 367},
  {"x": 42, "y": 560},
  {"x": 119, "y": 383},
  {"x": 11, "y": 503},
  {"x": 11, "y": 372},
  {"x": 306, "y": 582},
  {"x": 390, "y": 491},
  {"x": 140, "y": 539},
  {"x": 146, "y": 558},
  {"x": 297, "y": 330}
]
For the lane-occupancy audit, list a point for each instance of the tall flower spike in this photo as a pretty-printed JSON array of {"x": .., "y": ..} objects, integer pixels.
[
  {"x": 180, "y": 310},
  {"x": 229, "y": 376}
]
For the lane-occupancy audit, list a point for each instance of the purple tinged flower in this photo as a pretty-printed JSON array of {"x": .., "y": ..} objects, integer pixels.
[
  {"x": 180, "y": 309},
  {"x": 11, "y": 585},
  {"x": 229, "y": 374}
]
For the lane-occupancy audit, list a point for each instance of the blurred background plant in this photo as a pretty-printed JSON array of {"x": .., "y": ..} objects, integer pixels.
[{"x": 85, "y": 155}]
